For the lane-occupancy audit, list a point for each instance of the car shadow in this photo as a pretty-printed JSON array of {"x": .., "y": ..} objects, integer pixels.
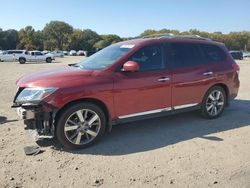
[{"x": 156, "y": 133}]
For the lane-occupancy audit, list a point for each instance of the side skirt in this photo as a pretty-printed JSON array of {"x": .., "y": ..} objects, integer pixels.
[{"x": 156, "y": 115}]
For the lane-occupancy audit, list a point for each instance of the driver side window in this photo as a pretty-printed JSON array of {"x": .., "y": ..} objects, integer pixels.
[{"x": 149, "y": 58}]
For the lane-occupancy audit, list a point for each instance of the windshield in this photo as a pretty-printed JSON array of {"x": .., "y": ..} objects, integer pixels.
[{"x": 105, "y": 57}]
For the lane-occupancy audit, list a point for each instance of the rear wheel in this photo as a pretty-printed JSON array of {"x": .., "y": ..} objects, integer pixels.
[
  {"x": 213, "y": 103},
  {"x": 80, "y": 126},
  {"x": 22, "y": 60},
  {"x": 48, "y": 60}
]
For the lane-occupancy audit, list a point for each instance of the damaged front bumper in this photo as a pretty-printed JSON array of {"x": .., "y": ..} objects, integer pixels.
[{"x": 38, "y": 118}]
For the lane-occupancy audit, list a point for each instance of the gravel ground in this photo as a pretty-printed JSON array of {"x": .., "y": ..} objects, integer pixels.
[{"x": 176, "y": 151}]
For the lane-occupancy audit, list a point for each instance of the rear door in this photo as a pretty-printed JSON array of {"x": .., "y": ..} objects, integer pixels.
[
  {"x": 191, "y": 74},
  {"x": 39, "y": 56},
  {"x": 147, "y": 91}
]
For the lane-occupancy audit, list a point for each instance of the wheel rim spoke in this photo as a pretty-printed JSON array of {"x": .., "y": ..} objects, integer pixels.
[
  {"x": 93, "y": 119},
  {"x": 80, "y": 116},
  {"x": 86, "y": 114},
  {"x": 78, "y": 138},
  {"x": 92, "y": 133},
  {"x": 215, "y": 110},
  {"x": 210, "y": 107},
  {"x": 211, "y": 97},
  {"x": 218, "y": 95},
  {"x": 72, "y": 122},
  {"x": 87, "y": 136},
  {"x": 71, "y": 128},
  {"x": 220, "y": 103}
]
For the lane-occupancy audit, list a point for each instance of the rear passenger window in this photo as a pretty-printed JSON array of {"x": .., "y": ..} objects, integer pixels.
[
  {"x": 184, "y": 55},
  {"x": 213, "y": 53},
  {"x": 149, "y": 58}
]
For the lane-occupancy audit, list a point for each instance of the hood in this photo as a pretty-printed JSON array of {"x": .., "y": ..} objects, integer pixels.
[{"x": 59, "y": 77}]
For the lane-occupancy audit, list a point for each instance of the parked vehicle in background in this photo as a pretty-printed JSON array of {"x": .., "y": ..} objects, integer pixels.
[
  {"x": 24, "y": 56},
  {"x": 1, "y": 52},
  {"x": 57, "y": 53},
  {"x": 36, "y": 56},
  {"x": 128, "y": 81},
  {"x": 65, "y": 52},
  {"x": 82, "y": 53},
  {"x": 246, "y": 54},
  {"x": 72, "y": 53},
  {"x": 237, "y": 54},
  {"x": 13, "y": 55},
  {"x": 45, "y": 52}
]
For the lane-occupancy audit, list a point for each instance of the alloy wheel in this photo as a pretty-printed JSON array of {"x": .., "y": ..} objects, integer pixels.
[
  {"x": 215, "y": 103},
  {"x": 82, "y": 127}
]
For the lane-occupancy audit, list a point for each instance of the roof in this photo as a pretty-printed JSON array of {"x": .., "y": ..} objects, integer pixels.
[{"x": 170, "y": 38}]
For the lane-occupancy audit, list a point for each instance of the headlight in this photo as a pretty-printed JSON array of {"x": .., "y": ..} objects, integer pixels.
[{"x": 34, "y": 95}]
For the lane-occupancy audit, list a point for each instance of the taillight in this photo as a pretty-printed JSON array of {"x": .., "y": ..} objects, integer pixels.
[{"x": 236, "y": 68}]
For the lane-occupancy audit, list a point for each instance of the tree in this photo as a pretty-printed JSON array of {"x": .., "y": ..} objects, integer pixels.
[
  {"x": 77, "y": 40},
  {"x": 57, "y": 35},
  {"x": 8, "y": 39},
  {"x": 149, "y": 32},
  {"x": 107, "y": 40},
  {"x": 30, "y": 39},
  {"x": 83, "y": 39}
]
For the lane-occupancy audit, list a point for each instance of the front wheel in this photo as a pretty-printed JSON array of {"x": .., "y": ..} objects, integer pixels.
[
  {"x": 80, "y": 125},
  {"x": 48, "y": 60},
  {"x": 213, "y": 103}
]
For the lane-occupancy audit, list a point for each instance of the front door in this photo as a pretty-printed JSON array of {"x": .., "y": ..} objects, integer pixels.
[{"x": 147, "y": 91}]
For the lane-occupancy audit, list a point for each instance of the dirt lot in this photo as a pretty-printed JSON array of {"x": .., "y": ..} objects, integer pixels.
[{"x": 178, "y": 151}]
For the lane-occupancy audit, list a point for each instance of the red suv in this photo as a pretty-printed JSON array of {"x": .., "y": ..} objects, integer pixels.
[{"x": 128, "y": 81}]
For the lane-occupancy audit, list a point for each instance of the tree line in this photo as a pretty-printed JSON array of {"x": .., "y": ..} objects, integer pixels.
[{"x": 62, "y": 36}]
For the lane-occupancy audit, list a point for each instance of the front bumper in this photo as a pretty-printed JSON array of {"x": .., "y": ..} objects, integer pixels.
[{"x": 37, "y": 118}]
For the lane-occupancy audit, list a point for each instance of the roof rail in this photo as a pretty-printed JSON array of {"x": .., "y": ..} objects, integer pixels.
[{"x": 170, "y": 35}]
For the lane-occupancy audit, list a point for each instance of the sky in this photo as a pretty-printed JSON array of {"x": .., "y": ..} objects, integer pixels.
[{"x": 128, "y": 18}]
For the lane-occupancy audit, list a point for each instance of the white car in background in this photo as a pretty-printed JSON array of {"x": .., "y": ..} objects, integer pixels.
[
  {"x": 82, "y": 53},
  {"x": 58, "y": 53},
  {"x": 12, "y": 55},
  {"x": 246, "y": 54},
  {"x": 65, "y": 52},
  {"x": 35, "y": 56},
  {"x": 72, "y": 53},
  {"x": 24, "y": 56}
]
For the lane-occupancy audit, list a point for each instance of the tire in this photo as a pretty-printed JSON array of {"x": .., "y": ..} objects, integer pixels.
[
  {"x": 22, "y": 60},
  {"x": 213, "y": 104},
  {"x": 48, "y": 60},
  {"x": 73, "y": 132}
]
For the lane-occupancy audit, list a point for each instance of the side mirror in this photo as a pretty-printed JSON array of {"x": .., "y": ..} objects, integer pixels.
[{"x": 130, "y": 66}]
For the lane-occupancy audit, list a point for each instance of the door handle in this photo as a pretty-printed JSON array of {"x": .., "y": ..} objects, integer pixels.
[
  {"x": 163, "y": 79},
  {"x": 208, "y": 73}
]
